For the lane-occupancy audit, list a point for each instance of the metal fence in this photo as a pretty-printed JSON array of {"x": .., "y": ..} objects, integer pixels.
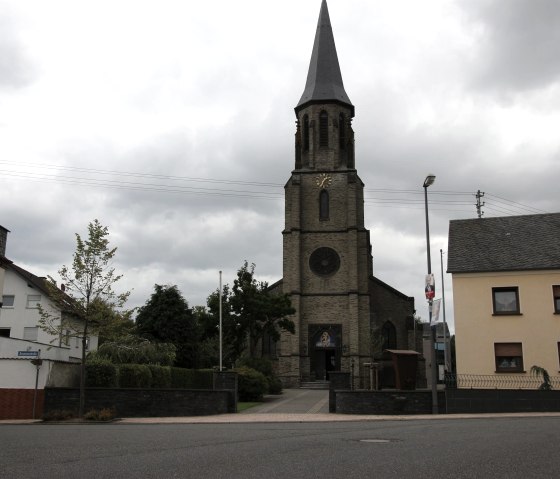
[{"x": 498, "y": 381}]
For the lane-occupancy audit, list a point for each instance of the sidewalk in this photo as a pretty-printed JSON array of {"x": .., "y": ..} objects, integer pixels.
[{"x": 294, "y": 405}]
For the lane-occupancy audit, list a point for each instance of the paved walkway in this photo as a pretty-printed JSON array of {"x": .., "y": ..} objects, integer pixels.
[{"x": 294, "y": 401}]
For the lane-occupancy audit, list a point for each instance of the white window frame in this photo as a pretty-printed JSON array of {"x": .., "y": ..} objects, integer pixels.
[
  {"x": 4, "y": 305},
  {"x": 31, "y": 333},
  {"x": 32, "y": 301}
]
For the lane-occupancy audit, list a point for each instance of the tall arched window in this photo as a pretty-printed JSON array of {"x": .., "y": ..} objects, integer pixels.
[
  {"x": 342, "y": 131},
  {"x": 323, "y": 129},
  {"x": 305, "y": 133},
  {"x": 323, "y": 205},
  {"x": 389, "y": 333}
]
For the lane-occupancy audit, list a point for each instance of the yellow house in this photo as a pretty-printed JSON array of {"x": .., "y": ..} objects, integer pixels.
[{"x": 506, "y": 295}]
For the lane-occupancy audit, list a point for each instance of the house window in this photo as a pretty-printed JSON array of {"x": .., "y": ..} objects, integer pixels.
[
  {"x": 556, "y": 295},
  {"x": 323, "y": 129},
  {"x": 509, "y": 357},
  {"x": 31, "y": 334},
  {"x": 33, "y": 300},
  {"x": 506, "y": 300},
  {"x": 8, "y": 301},
  {"x": 324, "y": 205},
  {"x": 305, "y": 133},
  {"x": 4, "y": 332}
]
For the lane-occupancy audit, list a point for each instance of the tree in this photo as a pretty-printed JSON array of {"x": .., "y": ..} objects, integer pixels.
[
  {"x": 166, "y": 317},
  {"x": 115, "y": 326},
  {"x": 87, "y": 295},
  {"x": 251, "y": 312}
]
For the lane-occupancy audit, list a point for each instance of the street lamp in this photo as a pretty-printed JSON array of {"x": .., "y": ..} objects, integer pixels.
[{"x": 428, "y": 182}]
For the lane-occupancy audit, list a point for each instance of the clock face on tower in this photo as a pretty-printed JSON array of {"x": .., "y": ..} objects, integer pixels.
[
  {"x": 323, "y": 180},
  {"x": 324, "y": 261}
]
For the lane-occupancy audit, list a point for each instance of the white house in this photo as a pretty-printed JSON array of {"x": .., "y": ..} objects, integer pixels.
[{"x": 30, "y": 358}]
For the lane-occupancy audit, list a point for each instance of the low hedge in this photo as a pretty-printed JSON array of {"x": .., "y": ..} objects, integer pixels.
[
  {"x": 135, "y": 376},
  {"x": 101, "y": 374},
  {"x": 161, "y": 376}
]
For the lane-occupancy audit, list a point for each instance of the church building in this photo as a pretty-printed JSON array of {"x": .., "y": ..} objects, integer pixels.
[{"x": 345, "y": 317}]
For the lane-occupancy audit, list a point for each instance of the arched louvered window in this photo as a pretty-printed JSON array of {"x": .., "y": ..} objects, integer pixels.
[
  {"x": 342, "y": 131},
  {"x": 389, "y": 333},
  {"x": 323, "y": 205},
  {"x": 305, "y": 133},
  {"x": 323, "y": 129}
]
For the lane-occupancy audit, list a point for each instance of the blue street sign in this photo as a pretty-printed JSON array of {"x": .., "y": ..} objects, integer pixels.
[{"x": 28, "y": 354}]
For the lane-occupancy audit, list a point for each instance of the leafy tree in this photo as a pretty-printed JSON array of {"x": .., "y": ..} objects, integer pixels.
[
  {"x": 250, "y": 311},
  {"x": 114, "y": 325},
  {"x": 88, "y": 293},
  {"x": 166, "y": 317}
]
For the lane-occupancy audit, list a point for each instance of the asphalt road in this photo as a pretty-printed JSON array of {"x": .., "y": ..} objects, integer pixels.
[{"x": 449, "y": 448}]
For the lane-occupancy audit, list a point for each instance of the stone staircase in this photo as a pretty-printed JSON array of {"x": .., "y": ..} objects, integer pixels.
[{"x": 314, "y": 385}]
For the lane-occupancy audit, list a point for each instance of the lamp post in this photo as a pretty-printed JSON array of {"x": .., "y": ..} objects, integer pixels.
[{"x": 428, "y": 182}]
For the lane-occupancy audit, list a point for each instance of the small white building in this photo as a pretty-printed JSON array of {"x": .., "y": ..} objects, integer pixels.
[{"x": 30, "y": 358}]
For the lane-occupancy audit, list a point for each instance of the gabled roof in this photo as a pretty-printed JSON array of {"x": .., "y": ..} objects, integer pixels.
[
  {"x": 35, "y": 282},
  {"x": 63, "y": 301},
  {"x": 508, "y": 243},
  {"x": 324, "y": 79}
]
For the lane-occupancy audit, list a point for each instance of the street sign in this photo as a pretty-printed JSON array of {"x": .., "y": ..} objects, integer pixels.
[{"x": 28, "y": 354}]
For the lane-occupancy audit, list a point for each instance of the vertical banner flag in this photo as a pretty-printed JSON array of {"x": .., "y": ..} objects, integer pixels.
[
  {"x": 436, "y": 306},
  {"x": 430, "y": 287}
]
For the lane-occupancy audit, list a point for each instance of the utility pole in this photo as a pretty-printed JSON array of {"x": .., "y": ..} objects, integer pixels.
[{"x": 479, "y": 195}]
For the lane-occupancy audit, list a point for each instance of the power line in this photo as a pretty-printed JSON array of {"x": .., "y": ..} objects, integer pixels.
[{"x": 407, "y": 198}]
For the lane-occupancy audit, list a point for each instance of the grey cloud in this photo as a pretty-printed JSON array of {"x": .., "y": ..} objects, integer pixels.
[
  {"x": 518, "y": 43},
  {"x": 16, "y": 69}
]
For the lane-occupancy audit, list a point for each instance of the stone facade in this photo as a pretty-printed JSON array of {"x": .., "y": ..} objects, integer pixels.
[{"x": 327, "y": 254}]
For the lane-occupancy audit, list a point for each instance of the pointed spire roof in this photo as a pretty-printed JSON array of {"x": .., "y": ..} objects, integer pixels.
[{"x": 324, "y": 80}]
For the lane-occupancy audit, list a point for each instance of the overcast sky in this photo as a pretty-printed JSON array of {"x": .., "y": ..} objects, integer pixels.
[{"x": 172, "y": 122}]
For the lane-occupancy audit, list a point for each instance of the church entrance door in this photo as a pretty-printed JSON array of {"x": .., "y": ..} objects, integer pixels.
[
  {"x": 325, "y": 363},
  {"x": 325, "y": 355}
]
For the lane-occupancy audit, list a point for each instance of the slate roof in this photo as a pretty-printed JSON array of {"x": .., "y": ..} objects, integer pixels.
[
  {"x": 508, "y": 243},
  {"x": 324, "y": 79}
]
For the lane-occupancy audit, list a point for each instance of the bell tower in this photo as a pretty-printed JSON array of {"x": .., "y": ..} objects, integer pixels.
[{"x": 327, "y": 258}]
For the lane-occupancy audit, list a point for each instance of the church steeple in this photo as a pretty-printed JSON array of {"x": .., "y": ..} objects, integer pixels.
[{"x": 324, "y": 80}]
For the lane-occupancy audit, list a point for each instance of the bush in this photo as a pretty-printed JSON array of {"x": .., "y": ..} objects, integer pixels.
[
  {"x": 182, "y": 378},
  {"x": 101, "y": 373},
  {"x": 264, "y": 366},
  {"x": 134, "y": 350},
  {"x": 161, "y": 376},
  {"x": 102, "y": 415},
  {"x": 252, "y": 385},
  {"x": 134, "y": 376},
  {"x": 274, "y": 385}
]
